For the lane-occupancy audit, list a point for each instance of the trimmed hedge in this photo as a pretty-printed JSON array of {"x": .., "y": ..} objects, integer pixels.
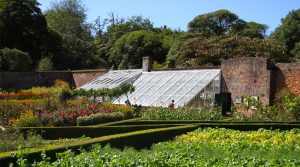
[
  {"x": 99, "y": 118},
  {"x": 137, "y": 139},
  {"x": 53, "y": 133},
  {"x": 139, "y": 121}
]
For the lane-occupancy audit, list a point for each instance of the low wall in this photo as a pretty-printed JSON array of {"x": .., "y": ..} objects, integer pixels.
[{"x": 25, "y": 80}]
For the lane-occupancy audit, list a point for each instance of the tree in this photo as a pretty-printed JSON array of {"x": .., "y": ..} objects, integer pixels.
[
  {"x": 288, "y": 32},
  {"x": 216, "y": 23},
  {"x": 23, "y": 26},
  {"x": 224, "y": 22},
  {"x": 14, "y": 60},
  {"x": 252, "y": 30},
  {"x": 200, "y": 51},
  {"x": 130, "y": 48},
  {"x": 68, "y": 19},
  {"x": 116, "y": 28}
]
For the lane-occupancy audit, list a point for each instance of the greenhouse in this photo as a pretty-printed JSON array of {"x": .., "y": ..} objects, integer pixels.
[{"x": 158, "y": 88}]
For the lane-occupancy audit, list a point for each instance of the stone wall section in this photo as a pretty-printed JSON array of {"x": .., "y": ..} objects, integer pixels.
[
  {"x": 288, "y": 76},
  {"x": 25, "y": 80},
  {"x": 247, "y": 76},
  {"x": 82, "y": 77}
]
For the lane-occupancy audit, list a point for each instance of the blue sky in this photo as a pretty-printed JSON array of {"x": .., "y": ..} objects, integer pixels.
[{"x": 177, "y": 13}]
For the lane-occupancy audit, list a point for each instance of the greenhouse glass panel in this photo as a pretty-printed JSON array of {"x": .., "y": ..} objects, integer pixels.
[
  {"x": 185, "y": 87},
  {"x": 113, "y": 79}
]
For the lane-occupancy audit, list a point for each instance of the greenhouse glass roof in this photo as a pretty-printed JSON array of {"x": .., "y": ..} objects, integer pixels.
[
  {"x": 158, "y": 88},
  {"x": 113, "y": 79}
]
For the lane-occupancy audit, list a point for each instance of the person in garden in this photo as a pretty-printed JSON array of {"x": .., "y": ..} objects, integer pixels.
[
  {"x": 127, "y": 102},
  {"x": 172, "y": 104}
]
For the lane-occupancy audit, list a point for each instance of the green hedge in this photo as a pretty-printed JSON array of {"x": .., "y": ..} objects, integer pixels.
[
  {"x": 153, "y": 122},
  {"x": 137, "y": 139},
  {"x": 99, "y": 118},
  {"x": 53, "y": 133}
]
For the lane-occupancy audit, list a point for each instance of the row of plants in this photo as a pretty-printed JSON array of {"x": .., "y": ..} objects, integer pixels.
[
  {"x": 286, "y": 108},
  {"x": 23, "y": 95},
  {"x": 181, "y": 114},
  {"x": 71, "y": 113},
  {"x": 203, "y": 147}
]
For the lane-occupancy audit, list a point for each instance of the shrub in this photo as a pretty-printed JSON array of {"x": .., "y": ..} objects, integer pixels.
[
  {"x": 287, "y": 108},
  {"x": 7, "y": 144},
  {"x": 65, "y": 95},
  {"x": 14, "y": 60},
  {"x": 99, "y": 118},
  {"x": 45, "y": 64},
  {"x": 26, "y": 119},
  {"x": 181, "y": 114}
]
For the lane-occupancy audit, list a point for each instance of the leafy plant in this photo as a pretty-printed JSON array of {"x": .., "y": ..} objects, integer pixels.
[
  {"x": 181, "y": 114},
  {"x": 99, "y": 118}
]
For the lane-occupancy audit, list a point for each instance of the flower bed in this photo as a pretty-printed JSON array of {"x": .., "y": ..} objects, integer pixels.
[{"x": 23, "y": 95}]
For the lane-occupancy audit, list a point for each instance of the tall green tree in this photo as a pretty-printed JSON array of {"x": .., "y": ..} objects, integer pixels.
[
  {"x": 116, "y": 28},
  {"x": 23, "y": 26},
  {"x": 224, "y": 22},
  {"x": 288, "y": 33},
  {"x": 130, "y": 48},
  {"x": 68, "y": 19}
]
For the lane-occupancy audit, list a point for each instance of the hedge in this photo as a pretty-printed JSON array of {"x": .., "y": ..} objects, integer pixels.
[
  {"x": 99, "y": 118},
  {"x": 152, "y": 122},
  {"x": 137, "y": 139},
  {"x": 53, "y": 133}
]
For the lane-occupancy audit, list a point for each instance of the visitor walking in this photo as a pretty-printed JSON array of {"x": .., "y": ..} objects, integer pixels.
[{"x": 172, "y": 104}]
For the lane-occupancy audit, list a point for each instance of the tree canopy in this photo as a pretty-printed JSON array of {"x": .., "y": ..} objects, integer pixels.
[
  {"x": 23, "y": 26},
  {"x": 224, "y": 22},
  {"x": 130, "y": 48},
  {"x": 288, "y": 33},
  {"x": 200, "y": 51},
  {"x": 61, "y": 38}
]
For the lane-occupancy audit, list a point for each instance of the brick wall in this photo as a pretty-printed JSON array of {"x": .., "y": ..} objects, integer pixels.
[
  {"x": 247, "y": 76},
  {"x": 288, "y": 76},
  {"x": 25, "y": 80}
]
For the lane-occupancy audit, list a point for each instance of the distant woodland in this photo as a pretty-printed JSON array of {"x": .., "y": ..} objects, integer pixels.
[{"x": 61, "y": 39}]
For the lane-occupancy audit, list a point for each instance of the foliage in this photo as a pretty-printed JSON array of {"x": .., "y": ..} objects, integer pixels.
[
  {"x": 129, "y": 49},
  {"x": 23, "y": 95},
  {"x": 224, "y": 22},
  {"x": 181, "y": 114},
  {"x": 285, "y": 109},
  {"x": 68, "y": 19},
  {"x": 288, "y": 33},
  {"x": 212, "y": 148},
  {"x": 14, "y": 60},
  {"x": 112, "y": 93},
  {"x": 26, "y": 119},
  {"x": 199, "y": 51},
  {"x": 99, "y": 118},
  {"x": 45, "y": 64},
  {"x": 115, "y": 28},
  {"x": 23, "y": 26},
  {"x": 7, "y": 144},
  {"x": 54, "y": 91},
  {"x": 13, "y": 109}
]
